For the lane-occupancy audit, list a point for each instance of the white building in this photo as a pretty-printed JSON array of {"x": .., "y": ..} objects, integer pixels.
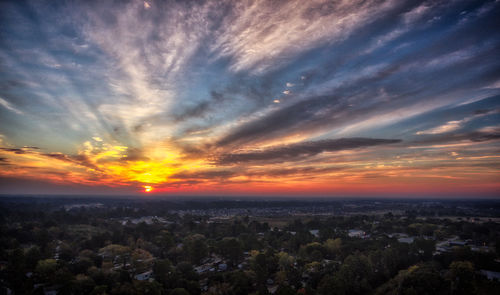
[
  {"x": 491, "y": 275},
  {"x": 315, "y": 232},
  {"x": 144, "y": 276},
  {"x": 408, "y": 240},
  {"x": 356, "y": 233}
]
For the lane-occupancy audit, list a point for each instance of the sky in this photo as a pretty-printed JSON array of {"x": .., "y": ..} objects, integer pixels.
[{"x": 309, "y": 98}]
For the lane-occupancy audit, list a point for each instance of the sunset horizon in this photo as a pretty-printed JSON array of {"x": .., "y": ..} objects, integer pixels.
[{"x": 250, "y": 98}]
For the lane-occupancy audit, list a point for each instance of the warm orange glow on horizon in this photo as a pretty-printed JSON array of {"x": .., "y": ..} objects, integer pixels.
[
  {"x": 165, "y": 170},
  {"x": 265, "y": 108}
]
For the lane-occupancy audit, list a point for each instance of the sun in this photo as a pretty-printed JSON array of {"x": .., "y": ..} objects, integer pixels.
[{"x": 148, "y": 188}]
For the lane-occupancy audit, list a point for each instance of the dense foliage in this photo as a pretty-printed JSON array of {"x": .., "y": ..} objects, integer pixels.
[{"x": 111, "y": 250}]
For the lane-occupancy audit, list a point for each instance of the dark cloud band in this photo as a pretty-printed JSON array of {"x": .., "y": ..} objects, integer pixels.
[{"x": 301, "y": 150}]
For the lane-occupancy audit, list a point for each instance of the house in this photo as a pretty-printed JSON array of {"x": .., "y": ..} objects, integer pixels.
[
  {"x": 442, "y": 247},
  {"x": 50, "y": 290},
  {"x": 356, "y": 233},
  {"x": 272, "y": 289},
  {"x": 222, "y": 267},
  {"x": 491, "y": 275},
  {"x": 144, "y": 276},
  {"x": 457, "y": 243},
  {"x": 408, "y": 240},
  {"x": 397, "y": 235},
  {"x": 315, "y": 232},
  {"x": 202, "y": 268},
  {"x": 484, "y": 249}
]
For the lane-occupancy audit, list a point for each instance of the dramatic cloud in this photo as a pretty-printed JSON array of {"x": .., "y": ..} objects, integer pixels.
[
  {"x": 454, "y": 125},
  {"x": 204, "y": 96},
  {"x": 477, "y": 136},
  {"x": 296, "y": 151},
  {"x": 283, "y": 29},
  {"x": 82, "y": 160},
  {"x": 14, "y": 150}
]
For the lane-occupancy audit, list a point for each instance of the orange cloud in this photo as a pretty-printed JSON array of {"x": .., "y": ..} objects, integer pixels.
[{"x": 164, "y": 169}]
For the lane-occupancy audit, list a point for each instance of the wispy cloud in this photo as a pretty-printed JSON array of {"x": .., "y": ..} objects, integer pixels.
[
  {"x": 218, "y": 93},
  {"x": 9, "y": 106},
  {"x": 297, "y": 151},
  {"x": 447, "y": 127},
  {"x": 456, "y": 124},
  {"x": 282, "y": 30}
]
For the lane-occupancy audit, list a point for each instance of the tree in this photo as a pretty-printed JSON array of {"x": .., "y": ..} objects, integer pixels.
[
  {"x": 15, "y": 271},
  {"x": 285, "y": 290},
  {"x": 142, "y": 260},
  {"x": 312, "y": 251},
  {"x": 66, "y": 252},
  {"x": 355, "y": 274},
  {"x": 316, "y": 255},
  {"x": 161, "y": 269},
  {"x": 242, "y": 284},
  {"x": 232, "y": 249},
  {"x": 186, "y": 270},
  {"x": 418, "y": 279},
  {"x": 81, "y": 265},
  {"x": 462, "y": 277},
  {"x": 249, "y": 241},
  {"x": 123, "y": 289},
  {"x": 196, "y": 248},
  {"x": 114, "y": 250},
  {"x": 82, "y": 284},
  {"x": 427, "y": 246},
  {"x": 148, "y": 288},
  {"x": 99, "y": 290},
  {"x": 45, "y": 270},
  {"x": 164, "y": 239},
  {"x": 329, "y": 284},
  {"x": 333, "y": 247},
  {"x": 285, "y": 261},
  {"x": 32, "y": 256},
  {"x": 259, "y": 265}
]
